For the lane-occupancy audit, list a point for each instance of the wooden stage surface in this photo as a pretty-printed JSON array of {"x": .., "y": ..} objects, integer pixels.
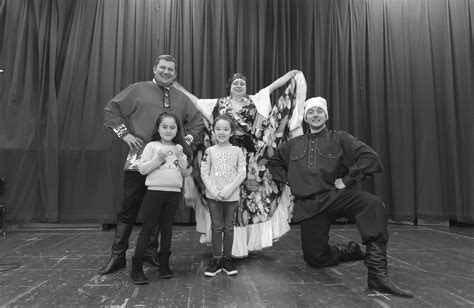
[{"x": 59, "y": 269}]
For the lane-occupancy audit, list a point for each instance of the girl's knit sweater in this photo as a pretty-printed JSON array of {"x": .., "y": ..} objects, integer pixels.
[
  {"x": 163, "y": 173},
  {"x": 223, "y": 169}
]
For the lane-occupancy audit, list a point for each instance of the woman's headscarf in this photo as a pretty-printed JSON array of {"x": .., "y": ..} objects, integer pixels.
[{"x": 234, "y": 77}]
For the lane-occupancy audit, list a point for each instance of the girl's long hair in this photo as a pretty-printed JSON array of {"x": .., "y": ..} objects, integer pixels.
[{"x": 178, "y": 139}]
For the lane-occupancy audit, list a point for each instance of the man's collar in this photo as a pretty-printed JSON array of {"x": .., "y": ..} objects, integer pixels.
[
  {"x": 168, "y": 87},
  {"x": 324, "y": 130}
]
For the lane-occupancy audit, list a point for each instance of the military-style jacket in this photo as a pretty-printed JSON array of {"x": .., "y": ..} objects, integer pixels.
[{"x": 311, "y": 163}]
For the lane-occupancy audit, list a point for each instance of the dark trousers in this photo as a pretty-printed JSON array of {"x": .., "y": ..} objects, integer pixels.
[
  {"x": 133, "y": 191},
  {"x": 222, "y": 222},
  {"x": 159, "y": 208},
  {"x": 365, "y": 209}
]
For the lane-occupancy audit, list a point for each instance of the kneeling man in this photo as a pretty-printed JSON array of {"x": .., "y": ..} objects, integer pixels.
[{"x": 321, "y": 168}]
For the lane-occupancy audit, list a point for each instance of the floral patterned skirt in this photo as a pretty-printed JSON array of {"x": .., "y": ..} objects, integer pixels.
[
  {"x": 265, "y": 209},
  {"x": 259, "y": 194}
]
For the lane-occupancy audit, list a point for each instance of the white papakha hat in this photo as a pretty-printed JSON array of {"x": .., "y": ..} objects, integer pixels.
[{"x": 319, "y": 102}]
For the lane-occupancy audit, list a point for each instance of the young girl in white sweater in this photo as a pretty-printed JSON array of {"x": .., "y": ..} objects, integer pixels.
[
  {"x": 164, "y": 161},
  {"x": 223, "y": 169}
]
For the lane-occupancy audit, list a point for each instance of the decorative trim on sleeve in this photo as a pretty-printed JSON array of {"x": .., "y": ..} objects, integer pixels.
[{"x": 121, "y": 130}]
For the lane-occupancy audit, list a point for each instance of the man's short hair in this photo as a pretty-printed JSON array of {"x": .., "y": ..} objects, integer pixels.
[{"x": 169, "y": 58}]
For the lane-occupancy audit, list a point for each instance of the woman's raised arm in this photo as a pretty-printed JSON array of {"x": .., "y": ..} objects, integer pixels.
[
  {"x": 282, "y": 81},
  {"x": 205, "y": 106}
]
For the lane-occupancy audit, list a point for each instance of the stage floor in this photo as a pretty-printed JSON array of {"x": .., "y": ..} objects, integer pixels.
[{"x": 60, "y": 269}]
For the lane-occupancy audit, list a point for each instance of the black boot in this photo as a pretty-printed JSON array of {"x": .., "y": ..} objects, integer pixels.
[
  {"x": 164, "y": 269},
  {"x": 151, "y": 253},
  {"x": 119, "y": 247},
  {"x": 137, "y": 274},
  {"x": 376, "y": 262},
  {"x": 350, "y": 252}
]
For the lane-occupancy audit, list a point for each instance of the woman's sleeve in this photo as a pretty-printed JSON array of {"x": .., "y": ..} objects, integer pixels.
[
  {"x": 297, "y": 90},
  {"x": 205, "y": 106},
  {"x": 264, "y": 107},
  {"x": 262, "y": 102}
]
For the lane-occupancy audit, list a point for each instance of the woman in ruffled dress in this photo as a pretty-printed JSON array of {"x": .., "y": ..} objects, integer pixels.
[{"x": 265, "y": 209}]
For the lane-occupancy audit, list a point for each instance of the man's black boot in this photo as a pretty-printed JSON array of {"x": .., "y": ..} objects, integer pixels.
[
  {"x": 376, "y": 262},
  {"x": 350, "y": 252},
  {"x": 117, "y": 260}
]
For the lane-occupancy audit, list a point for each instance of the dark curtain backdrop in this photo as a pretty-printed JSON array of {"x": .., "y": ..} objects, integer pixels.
[{"x": 397, "y": 73}]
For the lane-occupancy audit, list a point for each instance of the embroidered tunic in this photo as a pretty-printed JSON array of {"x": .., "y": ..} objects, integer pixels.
[
  {"x": 136, "y": 108},
  {"x": 311, "y": 163}
]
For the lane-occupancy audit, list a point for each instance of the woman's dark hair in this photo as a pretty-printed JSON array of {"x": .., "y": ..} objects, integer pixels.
[
  {"x": 178, "y": 139},
  {"x": 234, "y": 77},
  {"x": 231, "y": 122}
]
